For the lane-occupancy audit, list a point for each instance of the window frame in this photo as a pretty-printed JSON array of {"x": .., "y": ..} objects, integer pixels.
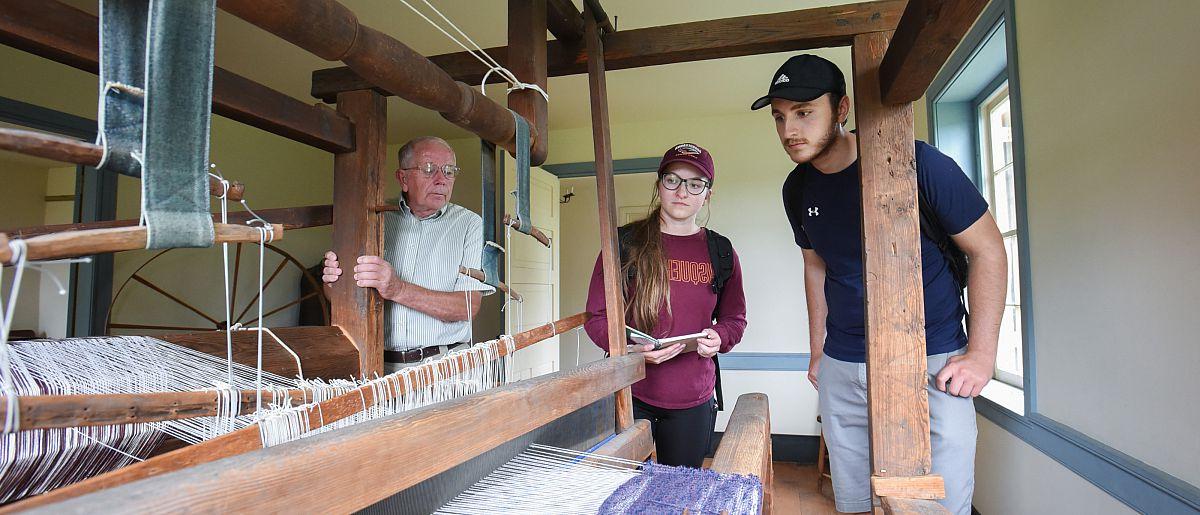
[{"x": 996, "y": 20}]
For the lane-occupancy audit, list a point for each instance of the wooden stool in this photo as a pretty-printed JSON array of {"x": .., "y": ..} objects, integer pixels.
[{"x": 822, "y": 459}]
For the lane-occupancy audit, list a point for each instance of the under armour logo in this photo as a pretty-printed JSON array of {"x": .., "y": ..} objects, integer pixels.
[
  {"x": 782, "y": 78},
  {"x": 814, "y": 211}
]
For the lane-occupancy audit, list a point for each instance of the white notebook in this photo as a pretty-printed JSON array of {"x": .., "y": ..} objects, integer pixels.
[{"x": 638, "y": 340}]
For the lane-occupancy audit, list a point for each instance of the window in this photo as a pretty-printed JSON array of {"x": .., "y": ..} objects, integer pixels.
[
  {"x": 999, "y": 188},
  {"x": 974, "y": 117}
]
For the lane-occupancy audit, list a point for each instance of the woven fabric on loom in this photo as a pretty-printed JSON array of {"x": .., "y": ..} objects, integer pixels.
[{"x": 667, "y": 489}]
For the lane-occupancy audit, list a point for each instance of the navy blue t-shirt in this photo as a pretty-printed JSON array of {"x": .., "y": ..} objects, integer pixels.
[{"x": 828, "y": 219}]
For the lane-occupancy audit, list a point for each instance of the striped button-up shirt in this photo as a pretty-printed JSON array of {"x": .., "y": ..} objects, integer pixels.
[{"x": 427, "y": 252}]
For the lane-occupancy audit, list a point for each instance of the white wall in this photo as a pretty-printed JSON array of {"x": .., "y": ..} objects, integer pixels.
[
  {"x": 1012, "y": 477},
  {"x": 23, "y": 197}
]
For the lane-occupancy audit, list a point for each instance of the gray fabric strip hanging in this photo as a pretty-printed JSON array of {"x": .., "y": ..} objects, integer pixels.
[
  {"x": 156, "y": 84},
  {"x": 526, "y": 225}
]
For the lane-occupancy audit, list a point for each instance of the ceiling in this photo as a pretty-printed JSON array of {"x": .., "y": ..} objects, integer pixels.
[{"x": 686, "y": 90}]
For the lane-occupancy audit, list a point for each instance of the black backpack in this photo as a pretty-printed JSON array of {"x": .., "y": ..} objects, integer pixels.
[
  {"x": 931, "y": 227},
  {"x": 720, "y": 255}
]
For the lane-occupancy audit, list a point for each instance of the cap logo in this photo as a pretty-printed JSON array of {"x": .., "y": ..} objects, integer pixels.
[
  {"x": 782, "y": 79},
  {"x": 687, "y": 149}
]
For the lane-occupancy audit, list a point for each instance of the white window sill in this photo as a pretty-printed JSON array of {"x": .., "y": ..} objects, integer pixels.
[{"x": 1007, "y": 396}]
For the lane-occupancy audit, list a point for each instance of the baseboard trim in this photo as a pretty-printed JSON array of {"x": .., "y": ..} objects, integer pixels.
[{"x": 1133, "y": 482}]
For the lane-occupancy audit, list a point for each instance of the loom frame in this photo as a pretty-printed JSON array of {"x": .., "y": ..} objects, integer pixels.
[{"x": 891, "y": 69}]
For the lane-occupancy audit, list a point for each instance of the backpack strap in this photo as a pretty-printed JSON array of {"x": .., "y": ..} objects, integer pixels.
[{"x": 720, "y": 254}]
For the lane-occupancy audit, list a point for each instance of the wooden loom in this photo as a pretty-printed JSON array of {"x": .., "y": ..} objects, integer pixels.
[{"x": 372, "y": 461}]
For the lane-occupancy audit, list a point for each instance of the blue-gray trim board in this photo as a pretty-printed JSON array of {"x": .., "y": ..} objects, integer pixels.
[
  {"x": 765, "y": 361},
  {"x": 49, "y": 120},
  {"x": 588, "y": 168},
  {"x": 1140, "y": 486}
]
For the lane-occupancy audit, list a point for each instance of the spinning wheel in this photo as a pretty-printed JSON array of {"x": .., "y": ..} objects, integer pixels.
[{"x": 154, "y": 299}]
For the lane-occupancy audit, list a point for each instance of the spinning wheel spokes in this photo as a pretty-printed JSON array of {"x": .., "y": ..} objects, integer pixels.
[{"x": 184, "y": 296}]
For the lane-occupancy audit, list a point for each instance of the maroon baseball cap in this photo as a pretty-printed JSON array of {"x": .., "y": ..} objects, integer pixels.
[{"x": 692, "y": 154}]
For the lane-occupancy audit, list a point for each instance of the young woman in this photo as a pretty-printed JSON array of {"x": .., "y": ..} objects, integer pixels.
[{"x": 669, "y": 291}]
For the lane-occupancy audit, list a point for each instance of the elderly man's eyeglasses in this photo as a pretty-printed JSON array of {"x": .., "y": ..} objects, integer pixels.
[
  {"x": 429, "y": 169},
  {"x": 695, "y": 186}
]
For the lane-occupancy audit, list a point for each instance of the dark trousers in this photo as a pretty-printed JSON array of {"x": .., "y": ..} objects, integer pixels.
[{"x": 681, "y": 436}]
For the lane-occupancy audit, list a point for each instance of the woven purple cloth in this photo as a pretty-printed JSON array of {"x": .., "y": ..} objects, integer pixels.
[{"x": 666, "y": 489}]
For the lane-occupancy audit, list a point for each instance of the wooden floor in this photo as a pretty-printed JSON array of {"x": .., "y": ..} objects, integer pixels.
[{"x": 796, "y": 491}]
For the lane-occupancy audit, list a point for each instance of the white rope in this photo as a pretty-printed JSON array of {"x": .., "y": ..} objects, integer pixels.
[
  {"x": 19, "y": 251},
  {"x": 477, "y": 52},
  {"x": 225, "y": 268},
  {"x": 545, "y": 479}
]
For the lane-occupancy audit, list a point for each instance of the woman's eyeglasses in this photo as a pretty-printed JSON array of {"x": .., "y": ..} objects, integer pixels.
[
  {"x": 695, "y": 186},
  {"x": 429, "y": 169}
]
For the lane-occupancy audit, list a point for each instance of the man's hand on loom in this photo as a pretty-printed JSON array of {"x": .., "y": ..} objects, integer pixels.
[
  {"x": 376, "y": 272},
  {"x": 708, "y": 345},
  {"x": 663, "y": 354},
  {"x": 332, "y": 270}
]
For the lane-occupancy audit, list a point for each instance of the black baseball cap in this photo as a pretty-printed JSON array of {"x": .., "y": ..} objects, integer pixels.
[{"x": 803, "y": 78}]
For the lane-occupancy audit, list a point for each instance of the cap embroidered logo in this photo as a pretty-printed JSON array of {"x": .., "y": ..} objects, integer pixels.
[
  {"x": 814, "y": 211},
  {"x": 687, "y": 149},
  {"x": 782, "y": 78}
]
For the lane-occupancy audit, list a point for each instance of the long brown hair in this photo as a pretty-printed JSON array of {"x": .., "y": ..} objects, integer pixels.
[{"x": 649, "y": 263}]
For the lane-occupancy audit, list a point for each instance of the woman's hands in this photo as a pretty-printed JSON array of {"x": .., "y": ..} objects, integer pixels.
[
  {"x": 661, "y": 355},
  {"x": 709, "y": 344}
]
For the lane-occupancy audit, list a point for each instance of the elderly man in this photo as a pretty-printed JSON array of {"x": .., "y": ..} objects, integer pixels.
[{"x": 425, "y": 242}]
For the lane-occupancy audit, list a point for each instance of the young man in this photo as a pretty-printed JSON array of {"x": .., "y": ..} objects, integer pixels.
[{"x": 822, "y": 198}]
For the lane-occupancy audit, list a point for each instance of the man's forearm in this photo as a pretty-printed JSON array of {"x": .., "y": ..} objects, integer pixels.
[
  {"x": 987, "y": 287},
  {"x": 447, "y": 306}
]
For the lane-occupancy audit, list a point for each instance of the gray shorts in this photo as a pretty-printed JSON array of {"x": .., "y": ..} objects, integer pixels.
[{"x": 842, "y": 394}]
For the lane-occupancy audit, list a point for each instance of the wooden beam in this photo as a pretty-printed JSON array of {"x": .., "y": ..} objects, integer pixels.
[
  {"x": 70, "y": 36},
  {"x": 324, "y": 351},
  {"x": 98, "y": 241},
  {"x": 927, "y": 34},
  {"x": 358, "y": 185},
  {"x": 365, "y": 463},
  {"x": 68, "y": 150},
  {"x": 635, "y": 443},
  {"x": 248, "y": 439},
  {"x": 564, "y": 20},
  {"x": 745, "y": 447},
  {"x": 291, "y": 218},
  {"x": 527, "y": 37},
  {"x": 666, "y": 44},
  {"x": 597, "y": 10},
  {"x": 895, "y": 308},
  {"x": 331, "y": 31},
  {"x": 59, "y": 411},
  {"x": 921, "y": 487},
  {"x": 902, "y": 506},
  {"x": 606, "y": 196}
]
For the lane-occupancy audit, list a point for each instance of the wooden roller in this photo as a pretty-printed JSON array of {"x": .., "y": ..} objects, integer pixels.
[
  {"x": 98, "y": 241},
  {"x": 478, "y": 275},
  {"x": 69, "y": 150},
  {"x": 537, "y": 234}
]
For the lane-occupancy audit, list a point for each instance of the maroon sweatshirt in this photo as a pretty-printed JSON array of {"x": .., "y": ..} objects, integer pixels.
[{"x": 687, "y": 380}]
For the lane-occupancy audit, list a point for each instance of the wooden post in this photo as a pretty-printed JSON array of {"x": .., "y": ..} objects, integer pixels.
[
  {"x": 897, "y": 402},
  {"x": 527, "y": 60},
  {"x": 606, "y": 195},
  {"x": 357, "y": 187}
]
